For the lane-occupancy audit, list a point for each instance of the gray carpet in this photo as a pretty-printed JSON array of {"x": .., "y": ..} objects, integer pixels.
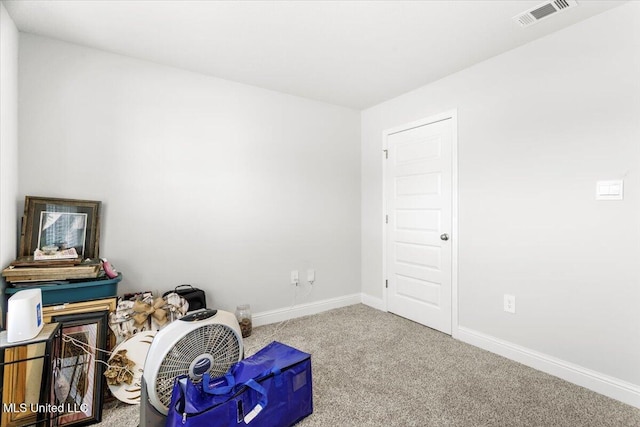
[{"x": 372, "y": 368}]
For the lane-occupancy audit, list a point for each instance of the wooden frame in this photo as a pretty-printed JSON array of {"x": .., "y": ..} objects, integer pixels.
[
  {"x": 106, "y": 304},
  {"x": 16, "y": 376},
  {"x": 14, "y": 390},
  {"x": 27, "y": 359},
  {"x": 80, "y": 368},
  {"x": 64, "y": 223}
]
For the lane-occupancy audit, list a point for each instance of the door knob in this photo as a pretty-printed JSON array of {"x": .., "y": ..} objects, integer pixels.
[{"x": 444, "y": 236}]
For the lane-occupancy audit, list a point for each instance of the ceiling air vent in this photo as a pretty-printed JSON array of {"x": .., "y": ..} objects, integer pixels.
[{"x": 542, "y": 11}]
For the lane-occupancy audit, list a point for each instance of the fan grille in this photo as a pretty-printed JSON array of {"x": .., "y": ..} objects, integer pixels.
[{"x": 218, "y": 340}]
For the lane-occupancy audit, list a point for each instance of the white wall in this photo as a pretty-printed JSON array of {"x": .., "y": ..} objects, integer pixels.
[
  {"x": 203, "y": 181},
  {"x": 8, "y": 143},
  {"x": 537, "y": 127}
]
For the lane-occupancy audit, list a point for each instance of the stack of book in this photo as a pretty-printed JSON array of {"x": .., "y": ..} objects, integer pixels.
[{"x": 27, "y": 271}]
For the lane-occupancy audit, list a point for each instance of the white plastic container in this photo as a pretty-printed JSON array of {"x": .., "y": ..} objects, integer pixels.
[{"x": 24, "y": 315}]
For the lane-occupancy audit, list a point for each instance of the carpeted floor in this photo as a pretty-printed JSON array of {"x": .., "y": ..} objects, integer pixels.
[{"x": 372, "y": 368}]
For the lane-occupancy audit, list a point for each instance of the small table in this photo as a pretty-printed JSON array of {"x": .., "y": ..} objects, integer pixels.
[{"x": 12, "y": 410}]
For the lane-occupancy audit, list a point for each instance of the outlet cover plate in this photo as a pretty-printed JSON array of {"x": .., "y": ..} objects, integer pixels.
[{"x": 510, "y": 303}]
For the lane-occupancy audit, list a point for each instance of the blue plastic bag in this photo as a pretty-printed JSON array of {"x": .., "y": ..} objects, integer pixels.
[{"x": 272, "y": 388}]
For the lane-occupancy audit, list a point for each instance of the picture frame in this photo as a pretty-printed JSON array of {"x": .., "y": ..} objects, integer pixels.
[
  {"x": 64, "y": 223},
  {"x": 91, "y": 306},
  {"x": 78, "y": 377},
  {"x": 21, "y": 381},
  {"x": 22, "y": 363}
]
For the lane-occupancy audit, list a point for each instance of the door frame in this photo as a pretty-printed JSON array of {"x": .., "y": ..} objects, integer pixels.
[{"x": 447, "y": 115}]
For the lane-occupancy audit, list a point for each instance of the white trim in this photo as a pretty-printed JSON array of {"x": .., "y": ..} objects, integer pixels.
[
  {"x": 600, "y": 383},
  {"x": 453, "y": 116},
  {"x": 299, "y": 310},
  {"x": 421, "y": 122},
  {"x": 373, "y": 302},
  {"x": 454, "y": 223},
  {"x": 383, "y": 222}
]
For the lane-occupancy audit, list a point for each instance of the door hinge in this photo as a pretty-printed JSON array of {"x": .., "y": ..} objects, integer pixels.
[
  {"x": 386, "y": 283},
  {"x": 386, "y": 219},
  {"x": 386, "y": 154}
]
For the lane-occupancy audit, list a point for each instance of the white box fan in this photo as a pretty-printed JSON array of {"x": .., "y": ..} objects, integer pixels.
[{"x": 202, "y": 341}]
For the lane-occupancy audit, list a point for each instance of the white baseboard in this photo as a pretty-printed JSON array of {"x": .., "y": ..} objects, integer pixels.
[
  {"x": 275, "y": 316},
  {"x": 373, "y": 302},
  {"x": 600, "y": 383}
]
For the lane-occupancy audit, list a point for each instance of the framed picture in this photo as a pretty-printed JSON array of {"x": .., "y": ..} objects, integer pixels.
[
  {"x": 23, "y": 366},
  {"x": 106, "y": 304},
  {"x": 63, "y": 223},
  {"x": 21, "y": 382},
  {"x": 78, "y": 375}
]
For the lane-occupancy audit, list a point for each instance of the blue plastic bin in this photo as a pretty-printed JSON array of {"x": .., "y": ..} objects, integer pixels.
[{"x": 74, "y": 292}]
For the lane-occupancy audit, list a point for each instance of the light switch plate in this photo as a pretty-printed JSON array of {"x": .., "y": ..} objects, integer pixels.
[{"x": 610, "y": 190}]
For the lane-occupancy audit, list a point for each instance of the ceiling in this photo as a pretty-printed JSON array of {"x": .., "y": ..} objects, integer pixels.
[{"x": 350, "y": 53}]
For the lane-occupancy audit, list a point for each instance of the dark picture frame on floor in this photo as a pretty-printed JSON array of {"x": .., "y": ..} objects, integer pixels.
[{"x": 78, "y": 376}]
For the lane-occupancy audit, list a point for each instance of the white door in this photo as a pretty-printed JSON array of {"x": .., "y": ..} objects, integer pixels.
[{"x": 418, "y": 192}]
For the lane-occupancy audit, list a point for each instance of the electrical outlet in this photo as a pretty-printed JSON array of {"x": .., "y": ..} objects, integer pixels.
[
  {"x": 510, "y": 303},
  {"x": 311, "y": 275},
  {"x": 294, "y": 277}
]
